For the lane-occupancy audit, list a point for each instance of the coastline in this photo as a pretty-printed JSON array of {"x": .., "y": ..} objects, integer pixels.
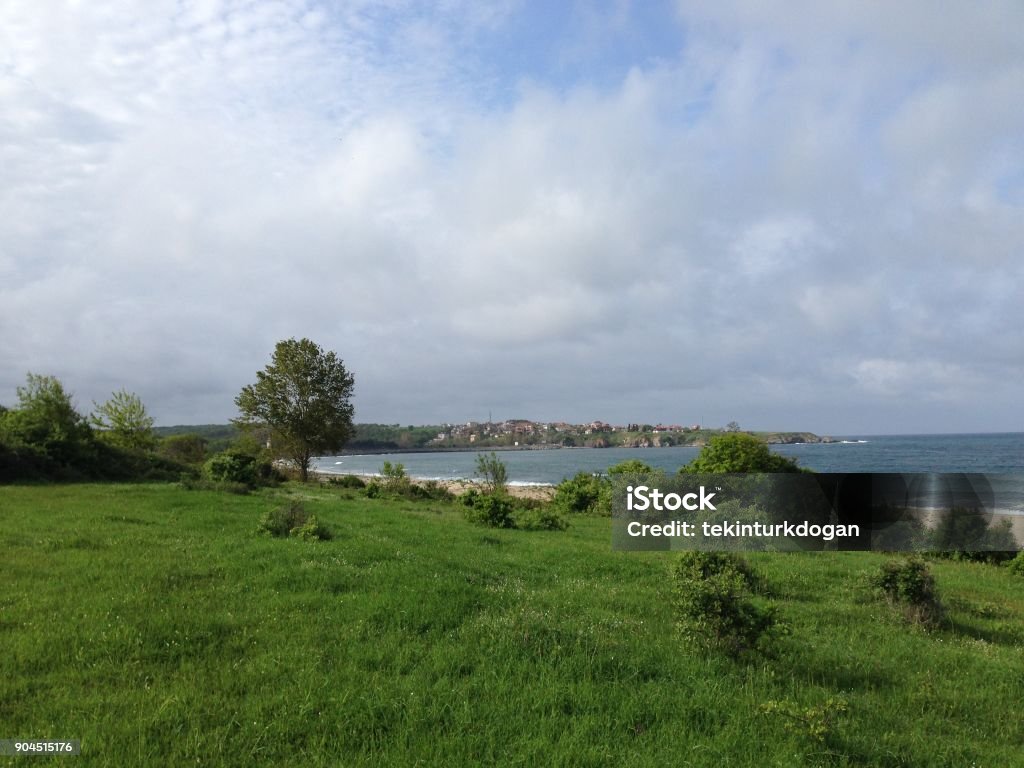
[{"x": 537, "y": 491}]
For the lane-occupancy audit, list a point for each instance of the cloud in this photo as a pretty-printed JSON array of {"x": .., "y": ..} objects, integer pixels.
[{"x": 806, "y": 218}]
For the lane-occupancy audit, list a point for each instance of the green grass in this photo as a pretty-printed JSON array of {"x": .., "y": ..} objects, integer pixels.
[{"x": 158, "y": 627}]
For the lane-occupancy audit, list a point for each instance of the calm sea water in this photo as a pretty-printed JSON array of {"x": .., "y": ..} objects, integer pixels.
[{"x": 989, "y": 453}]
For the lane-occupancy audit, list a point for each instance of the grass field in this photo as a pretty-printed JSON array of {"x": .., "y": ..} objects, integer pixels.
[{"x": 158, "y": 627}]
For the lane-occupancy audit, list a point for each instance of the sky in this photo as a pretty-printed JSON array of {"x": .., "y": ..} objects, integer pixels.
[{"x": 794, "y": 215}]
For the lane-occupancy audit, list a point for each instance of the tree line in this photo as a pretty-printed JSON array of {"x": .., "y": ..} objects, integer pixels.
[
  {"x": 44, "y": 437},
  {"x": 299, "y": 407}
]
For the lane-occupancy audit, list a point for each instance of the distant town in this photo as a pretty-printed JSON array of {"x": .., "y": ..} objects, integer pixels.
[{"x": 524, "y": 433}]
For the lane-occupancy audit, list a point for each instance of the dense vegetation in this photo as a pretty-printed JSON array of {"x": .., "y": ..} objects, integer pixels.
[
  {"x": 160, "y": 626},
  {"x": 44, "y": 437}
]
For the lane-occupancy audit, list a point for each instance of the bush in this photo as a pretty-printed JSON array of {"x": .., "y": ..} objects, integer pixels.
[
  {"x": 293, "y": 520},
  {"x": 584, "y": 494},
  {"x": 493, "y": 472},
  {"x": 1016, "y": 565},
  {"x": 491, "y": 511},
  {"x": 396, "y": 480},
  {"x": 281, "y": 521},
  {"x": 909, "y": 586},
  {"x": 542, "y": 518},
  {"x": 712, "y": 596},
  {"x": 373, "y": 489},
  {"x": 311, "y": 530},
  {"x": 234, "y": 466},
  {"x": 431, "y": 489}
]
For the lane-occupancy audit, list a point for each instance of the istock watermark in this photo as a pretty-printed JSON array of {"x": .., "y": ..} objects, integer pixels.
[
  {"x": 641, "y": 498},
  {"x": 818, "y": 511}
]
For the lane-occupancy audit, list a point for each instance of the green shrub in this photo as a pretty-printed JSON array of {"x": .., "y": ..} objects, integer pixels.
[
  {"x": 493, "y": 472},
  {"x": 373, "y": 489},
  {"x": 311, "y": 530},
  {"x": 292, "y": 519},
  {"x": 1016, "y": 565},
  {"x": 584, "y": 494},
  {"x": 235, "y": 466},
  {"x": 432, "y": 489},
  {"x": 283, "y": 520},
  {"x": 395, "y": 479},
  {"x": 712, "y": 597},
  {"x": 909, "y": 586},
  {"x": 491, "y": 511},
  {"x": 429, "y": 490},
  {"x": 542, "y": 518}
]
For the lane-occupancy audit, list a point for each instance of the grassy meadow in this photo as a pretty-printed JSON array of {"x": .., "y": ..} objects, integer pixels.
[{"x": 156, "y": 625}]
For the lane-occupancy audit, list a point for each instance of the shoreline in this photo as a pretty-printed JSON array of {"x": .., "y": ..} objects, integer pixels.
[{"x": 536, "y": 491}]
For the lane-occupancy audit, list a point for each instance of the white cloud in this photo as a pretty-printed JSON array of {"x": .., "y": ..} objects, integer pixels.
[{"x": 798, "y": 205}]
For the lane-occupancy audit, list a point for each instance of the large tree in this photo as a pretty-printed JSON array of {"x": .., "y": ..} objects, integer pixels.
[{"x": 302, "y": 398}]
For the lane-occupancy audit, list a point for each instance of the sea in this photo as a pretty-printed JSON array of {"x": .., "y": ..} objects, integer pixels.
[{"x": 992, "y": 454}]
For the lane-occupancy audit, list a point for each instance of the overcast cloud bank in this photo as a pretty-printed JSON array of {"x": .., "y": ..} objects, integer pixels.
[{"x": 808, "y": 219}]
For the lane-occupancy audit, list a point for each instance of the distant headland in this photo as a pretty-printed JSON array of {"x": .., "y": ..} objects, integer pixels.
[{"x": 519, "y": 434}]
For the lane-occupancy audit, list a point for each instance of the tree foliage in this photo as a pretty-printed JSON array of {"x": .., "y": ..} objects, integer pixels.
[
  {"x": 739, "y": 452},
  {"x": 44, "y": 437},
  {"x": 47, "y": 422},
  {"x": 302, "y": 397},
  {"x": 124, "y": 421}
]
